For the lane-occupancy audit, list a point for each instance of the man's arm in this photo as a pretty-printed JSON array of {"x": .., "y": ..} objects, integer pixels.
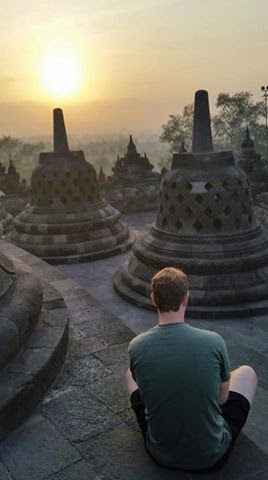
[
  {"x": 131, "y": 384},
  {"x": 223, "y": 392}
]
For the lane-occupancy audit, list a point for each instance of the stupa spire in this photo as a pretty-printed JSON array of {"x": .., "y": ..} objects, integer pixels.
[
  {"x": 202, "y": 137},
  {"x": 59, "y": 131},
  {"x": 131, "y": 146}
]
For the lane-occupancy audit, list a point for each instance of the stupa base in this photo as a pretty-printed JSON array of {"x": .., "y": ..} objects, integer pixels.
[{"x": 224, "y": 312}]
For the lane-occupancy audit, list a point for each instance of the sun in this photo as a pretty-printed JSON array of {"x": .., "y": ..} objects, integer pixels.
[{"x": 61, "y": 76}]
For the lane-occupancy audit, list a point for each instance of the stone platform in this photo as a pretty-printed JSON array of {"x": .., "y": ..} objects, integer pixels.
[{"x": 84, "y": 428}]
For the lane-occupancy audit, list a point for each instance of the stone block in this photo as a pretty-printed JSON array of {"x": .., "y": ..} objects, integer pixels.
[
  {"x": 78, "y": 414},
  {"x": 36, "y": 451},
  {"x": 82, "y": 371},
  {"x": 78, "y": 471}
]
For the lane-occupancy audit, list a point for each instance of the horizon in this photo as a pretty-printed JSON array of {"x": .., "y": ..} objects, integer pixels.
[{"x": 115, "y": 66}]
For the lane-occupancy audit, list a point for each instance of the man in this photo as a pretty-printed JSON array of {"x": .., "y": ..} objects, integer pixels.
[{"x": 189, "y": 405}]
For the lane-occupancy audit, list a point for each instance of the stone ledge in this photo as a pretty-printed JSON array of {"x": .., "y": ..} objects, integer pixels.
[{"x": 28, "y": 376}]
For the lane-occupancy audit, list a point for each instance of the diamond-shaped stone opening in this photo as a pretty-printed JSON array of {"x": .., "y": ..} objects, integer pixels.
[
  {"x": 250, "y": 219},
  {"x": 217, "y": 197},
  {"x": 237, "y": 222},
  {"x": 172, "y": 210},
  {"x": 208, "y": 186},
  {"x": 189, "y": 211},
  {"x": 180, "y": 197},
  {"x": 235, "y": 196},
  {"x": 198, "y": 225},
  {"x": 244, "y": 208},
  {"x": 226, "y": 184},
  {"x": 208, "y": 212},
  {"x": 217, "y": 224},
  {"x": 173, "y": 185},
  {"x": 227, "y": 210},
  {"x": 199, "y": 199},
  {"x": 178, "y": 225},
  {"x": 189, "y": 186}
]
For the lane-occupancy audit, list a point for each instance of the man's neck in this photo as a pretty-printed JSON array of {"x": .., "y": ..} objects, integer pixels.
[{"x": 165, "y": 318}]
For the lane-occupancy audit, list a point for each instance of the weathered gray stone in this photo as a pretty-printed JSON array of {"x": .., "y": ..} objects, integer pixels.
[
  {"x": 205, "y": 225},
  {"x": 112, "y": 391},
  {"x": 4, "y": 475},
  {"x": 82, "y": 371},
  {"x": 126, "y": 446},
  {"x": 122, "y": 455},
  {"x": 115, "y": 357},
  {"x": 253, "y": 165},
  {"x": 79, "y": 415},
  {"x": 52, "y": 452},
  {"x": 79, "y": 345},
  {"x": 68, "y": 220},
  {"x": 78, "y": 471}
]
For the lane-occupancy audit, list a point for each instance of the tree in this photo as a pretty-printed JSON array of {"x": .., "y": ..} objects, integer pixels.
[
  {"x": 236, "y": 112},
  {"x": 178, "y": 129},
  {"x": 23, "y": 155}
]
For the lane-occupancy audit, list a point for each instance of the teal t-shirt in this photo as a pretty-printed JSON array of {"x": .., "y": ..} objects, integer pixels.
[{"x": 179, "y": 369}]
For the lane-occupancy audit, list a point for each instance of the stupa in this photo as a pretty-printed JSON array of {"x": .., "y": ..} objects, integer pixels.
[
  {"x": 132, "y": 164},
  {"x": 68, "y": 220},
  {"x": 205, "y": 225},
  {"x": 133, "y": 186},
  {"x": 253, "y": 165}
]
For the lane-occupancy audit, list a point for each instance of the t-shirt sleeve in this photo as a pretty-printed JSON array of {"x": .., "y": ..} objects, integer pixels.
[{"x": 225, "y": 371}]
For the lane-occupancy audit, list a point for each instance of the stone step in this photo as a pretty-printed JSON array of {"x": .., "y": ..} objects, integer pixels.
[
  {"x": 242, "y": 310},
  {"x": 28, "y": 376}
]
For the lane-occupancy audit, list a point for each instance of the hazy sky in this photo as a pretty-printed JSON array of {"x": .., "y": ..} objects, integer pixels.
[{"x": 135, "y": 61}]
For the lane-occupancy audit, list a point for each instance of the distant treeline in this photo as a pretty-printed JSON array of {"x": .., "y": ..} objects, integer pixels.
[{"x": 101, "y": 153}]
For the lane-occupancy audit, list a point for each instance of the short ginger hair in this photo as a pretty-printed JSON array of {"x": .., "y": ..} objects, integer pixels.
[{"x": 169, "y": 287}]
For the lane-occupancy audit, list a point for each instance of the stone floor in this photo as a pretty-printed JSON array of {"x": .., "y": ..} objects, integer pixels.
[{"x": 84, "y": 428}]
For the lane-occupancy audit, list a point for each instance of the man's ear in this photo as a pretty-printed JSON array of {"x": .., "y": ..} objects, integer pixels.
[
  {"x": 152, "y": 299},
  {"x": 186, "y": 299}
]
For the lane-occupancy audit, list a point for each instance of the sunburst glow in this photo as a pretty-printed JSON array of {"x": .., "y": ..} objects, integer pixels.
[{"x": 61, "y": 76}]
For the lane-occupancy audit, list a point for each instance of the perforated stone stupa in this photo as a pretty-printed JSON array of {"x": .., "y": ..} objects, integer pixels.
[
  {"x": 252, "y": 163},
  {"x": 133, "y": 186},
  {"x": 68, "y": 220},
  {"x": 205, "y": 225}
]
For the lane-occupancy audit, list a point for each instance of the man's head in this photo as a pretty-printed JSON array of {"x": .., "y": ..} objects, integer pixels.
[{"x": 169, "y": 289}]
